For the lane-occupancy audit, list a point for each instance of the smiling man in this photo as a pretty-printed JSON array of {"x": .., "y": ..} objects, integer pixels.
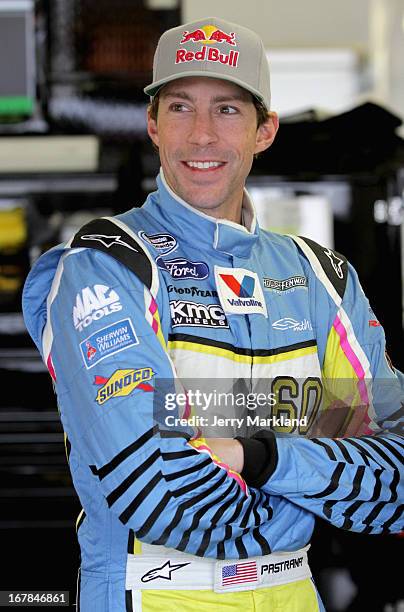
[{"x": 188, "y": 286}]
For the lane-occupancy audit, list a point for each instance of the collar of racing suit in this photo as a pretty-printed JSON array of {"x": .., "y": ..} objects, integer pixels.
[{"x": 218, "y": 234}]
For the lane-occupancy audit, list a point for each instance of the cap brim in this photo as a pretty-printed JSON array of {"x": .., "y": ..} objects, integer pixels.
[{"x": 154, "y": 87}]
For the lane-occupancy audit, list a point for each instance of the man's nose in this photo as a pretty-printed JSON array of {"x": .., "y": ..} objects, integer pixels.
[{"x": 202, "y": 131}]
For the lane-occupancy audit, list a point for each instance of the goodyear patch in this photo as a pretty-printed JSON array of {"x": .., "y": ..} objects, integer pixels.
[
  {"x": 123, "y": 383},
  {"x": 108, "y": 341}
]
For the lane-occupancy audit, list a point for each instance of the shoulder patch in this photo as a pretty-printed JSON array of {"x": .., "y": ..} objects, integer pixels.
[
  {"x": 333, "y": 264},
  {"x": 107, "y": 236}
]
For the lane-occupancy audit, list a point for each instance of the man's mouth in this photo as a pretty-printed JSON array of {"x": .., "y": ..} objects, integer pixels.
[{"x": 203, "y": 165}]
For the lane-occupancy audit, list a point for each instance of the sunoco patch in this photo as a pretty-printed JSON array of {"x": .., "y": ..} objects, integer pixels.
[{"x": 123, "y": 383}]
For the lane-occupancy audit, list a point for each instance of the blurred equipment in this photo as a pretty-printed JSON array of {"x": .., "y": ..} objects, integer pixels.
[
  {"x": 287, "y": 211},
  {"x": 14, "y": 263},
  {"x": 48, "y": 154},
  {"x": 17, "y": 49},
  {"x": 323, "y": 78},
  {"x": 100, "y": 58}
]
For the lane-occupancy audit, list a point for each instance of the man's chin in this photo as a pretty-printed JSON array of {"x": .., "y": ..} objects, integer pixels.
[{"x": 204, "y": 201}]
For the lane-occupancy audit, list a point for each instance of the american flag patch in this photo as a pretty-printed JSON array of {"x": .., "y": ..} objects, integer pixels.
[{"x": 239, "y": 573}]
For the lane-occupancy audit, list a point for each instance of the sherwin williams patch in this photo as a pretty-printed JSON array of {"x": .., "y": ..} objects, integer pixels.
[{"x": 108, "y": 341}]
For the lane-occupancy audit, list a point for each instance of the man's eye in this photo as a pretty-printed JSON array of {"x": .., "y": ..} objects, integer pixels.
[
  {"x": 228, "y": 110},
  {"x": 177, "y": 107}
]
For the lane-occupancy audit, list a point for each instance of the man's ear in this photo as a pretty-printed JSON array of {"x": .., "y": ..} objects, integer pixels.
[
  {"x": 152, "y": 129},
  {"x": 266, "y": 132}
]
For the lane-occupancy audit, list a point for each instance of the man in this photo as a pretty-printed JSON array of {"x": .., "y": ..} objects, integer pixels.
[{"x": 182, "y": 287}]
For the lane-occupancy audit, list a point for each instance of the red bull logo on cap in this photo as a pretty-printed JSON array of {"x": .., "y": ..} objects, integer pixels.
[{"x": 208, "y": 35}]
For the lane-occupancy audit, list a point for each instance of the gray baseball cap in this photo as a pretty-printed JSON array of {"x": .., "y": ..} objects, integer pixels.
[{"x": 215, "y": 48}]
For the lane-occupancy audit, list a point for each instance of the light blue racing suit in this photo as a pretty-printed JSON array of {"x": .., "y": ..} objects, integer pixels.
[{"x": 165, "y": 293}]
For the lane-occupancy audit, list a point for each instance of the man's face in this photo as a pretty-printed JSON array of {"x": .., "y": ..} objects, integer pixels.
[{"x": 206, "y": 132}]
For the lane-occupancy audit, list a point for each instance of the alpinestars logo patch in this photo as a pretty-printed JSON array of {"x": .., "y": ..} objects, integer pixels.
[
  {"x": 108, "y": 241},
  {"x": 336, "y": 262},
  {"x": 164, "y": 571}
]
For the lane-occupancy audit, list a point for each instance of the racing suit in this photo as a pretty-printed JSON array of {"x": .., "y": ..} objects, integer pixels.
[{"x": 167, "y": 293}]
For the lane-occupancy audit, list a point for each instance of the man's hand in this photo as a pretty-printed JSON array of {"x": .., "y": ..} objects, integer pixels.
[{"x": 229, "y": 451}]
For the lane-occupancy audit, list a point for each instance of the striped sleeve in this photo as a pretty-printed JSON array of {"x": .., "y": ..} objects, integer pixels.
[{"x": 354, "y": 483}]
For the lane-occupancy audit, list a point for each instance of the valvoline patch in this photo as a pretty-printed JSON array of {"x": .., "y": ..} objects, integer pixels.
[{"x": 240, "y": 291}]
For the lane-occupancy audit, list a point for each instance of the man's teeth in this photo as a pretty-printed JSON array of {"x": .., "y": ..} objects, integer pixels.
[{"x": 203, "y": 165}]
